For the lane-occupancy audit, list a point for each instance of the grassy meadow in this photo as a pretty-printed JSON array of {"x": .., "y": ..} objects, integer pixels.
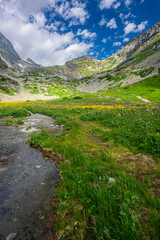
[{"x": 109, "y": 163}]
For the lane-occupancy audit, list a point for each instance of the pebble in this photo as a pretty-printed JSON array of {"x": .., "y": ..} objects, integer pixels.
[
  {"x": 111, "y": 180},
  {"x": 43, "y": 183},
  {"x": 11, "y": 236},
  {"x": 3, "y": 170},
  {"x": 37, "y": 166}
]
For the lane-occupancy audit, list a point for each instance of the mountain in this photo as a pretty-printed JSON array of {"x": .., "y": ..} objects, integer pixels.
[
  {"x": 138, "y": 43},
  {"x": 10, "y": 58},
  {"x": 138, "y": 60},
  {"x": 76, "y": 68},
  {"x": 136, "y": 50}
]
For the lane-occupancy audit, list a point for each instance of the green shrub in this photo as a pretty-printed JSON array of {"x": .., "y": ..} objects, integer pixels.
[
  {"x": 146, "y": 72},
  {"x": 14, "y": 111},
  {"x": 19, "y": 122},
  {"x": 77, "y": 97},
  {"x": 9, "y": 122}
]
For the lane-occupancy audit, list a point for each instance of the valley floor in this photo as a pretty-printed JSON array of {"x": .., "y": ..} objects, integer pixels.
[
  {"x": 109, "y": 158},
  {"x": 24, "y": 96}
]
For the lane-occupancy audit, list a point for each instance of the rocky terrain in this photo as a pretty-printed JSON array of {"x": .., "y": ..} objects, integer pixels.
[
  {"x": 136, "y": 61},
  {"x": 10, "y": 58}
]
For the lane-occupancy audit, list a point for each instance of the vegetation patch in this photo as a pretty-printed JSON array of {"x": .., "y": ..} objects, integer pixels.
[
  {"x": 106, "y": 191},
  {"x": 7, "y": 91},
  {"x": 10, "y": 122},
  {"x": 143, "y": 55}
]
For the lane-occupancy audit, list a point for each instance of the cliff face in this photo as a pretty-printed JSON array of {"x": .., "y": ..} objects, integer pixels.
[{"x": 10, "y": 58}]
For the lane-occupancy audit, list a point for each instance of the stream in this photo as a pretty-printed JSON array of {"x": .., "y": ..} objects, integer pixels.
[{"x": 27, "y": 181}]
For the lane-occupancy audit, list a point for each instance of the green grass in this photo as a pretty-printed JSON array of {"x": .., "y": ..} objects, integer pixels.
[
  {"x": 13, "y": 111},
  {"x": 143, "y": 73},
  {"x": 35, "y": 90},
  {"x": 120, "y": 142},
  {"x": 87, "y": 205},
  {"x": 10, "y": 122},
  {"x": 143, "y": 55},
  {"x": 6, "y": 91},
  {"x": 140, "y": 133},
  {"x": 148, "y": 88}
]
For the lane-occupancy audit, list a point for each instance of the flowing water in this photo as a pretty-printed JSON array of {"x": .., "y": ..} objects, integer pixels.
[{"x": 27, "y": 181}]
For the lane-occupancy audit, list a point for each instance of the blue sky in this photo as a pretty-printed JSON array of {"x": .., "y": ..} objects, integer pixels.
[{"x": 55, "y": 31}]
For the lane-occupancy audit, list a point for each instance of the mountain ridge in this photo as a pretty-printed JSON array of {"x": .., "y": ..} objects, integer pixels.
[
  {"x": 10, "y": 58},
  {"x": 136, "y": 61},
  {"x": 81, "y": 67}
]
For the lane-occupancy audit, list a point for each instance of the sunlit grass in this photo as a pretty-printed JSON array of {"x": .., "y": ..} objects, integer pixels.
[{"x": 101, "y": 141}]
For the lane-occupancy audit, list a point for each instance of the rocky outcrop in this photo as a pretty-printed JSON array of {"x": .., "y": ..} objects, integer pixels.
[
  {"x": 10, "y": 58},
  {"x": 136, "y": 43}
]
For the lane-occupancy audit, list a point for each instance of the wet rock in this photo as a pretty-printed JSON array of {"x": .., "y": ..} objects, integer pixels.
[
  {"x": 11, "y": 236},
  {"x": 37, "y": 166},
  {"x": 50, "y": 154},
  {"x": 43, "y": 183},
  {"x": 3, "y": 170}
]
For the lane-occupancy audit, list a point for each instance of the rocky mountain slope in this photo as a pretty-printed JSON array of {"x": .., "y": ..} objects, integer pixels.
[
  {"x": 78, "y": 68},
  {"x": 85, "y": 66},
  {"x": 136, "y": 61},
  {"x": 10, "y": 58},
  {"x": 137, "y": 43}
]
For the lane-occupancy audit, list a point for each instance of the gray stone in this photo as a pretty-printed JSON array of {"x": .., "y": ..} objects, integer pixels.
[
  {"x": 111, "y": 180},
  {"x": 11, "y": 236}
]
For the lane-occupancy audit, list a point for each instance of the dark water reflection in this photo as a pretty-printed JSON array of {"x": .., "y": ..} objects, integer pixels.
[{"x": 27, "y": 183}]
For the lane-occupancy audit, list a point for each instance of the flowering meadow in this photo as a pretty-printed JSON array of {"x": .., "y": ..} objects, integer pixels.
[{"x": 109, "y": 167}]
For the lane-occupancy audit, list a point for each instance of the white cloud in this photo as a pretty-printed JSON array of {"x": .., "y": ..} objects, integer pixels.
[
  {"x": 127, "y": 2},
  {"x": 132, "y": 27},
  {"x": 125, "y": 16},
  {"x": 117, "y": 5},
  {"x": 86, "y": 34},
  {"x": 125, "y": 39},
  {"x": 106, "y": 4},
  {"x": 115, "y": 44},
  {"x": 76, "y": 12},
  {"x": 25, "y": 7},
  {"x": 142, "y": 26},
  {"x": 63, "y": 28},
  {"x": 104, "y": 40},
  {"x": 54, "y": 26},
  {"x": 32, "y": 38},
  {"x": 72, "y": 51},
  {"x": 102, "y": 21},
  {"x": 142, "y": 1},
  {"x": 91, "y": 53},
  {"x": 112, "y": 24}
]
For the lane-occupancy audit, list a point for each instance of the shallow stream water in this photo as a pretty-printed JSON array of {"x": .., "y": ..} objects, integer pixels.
[{"x": 27, "y": 181}]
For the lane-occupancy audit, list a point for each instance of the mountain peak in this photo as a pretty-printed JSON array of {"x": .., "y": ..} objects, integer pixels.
[
  {"x": 83, "y": 58},
  {"x": 10, "y": 58}
]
